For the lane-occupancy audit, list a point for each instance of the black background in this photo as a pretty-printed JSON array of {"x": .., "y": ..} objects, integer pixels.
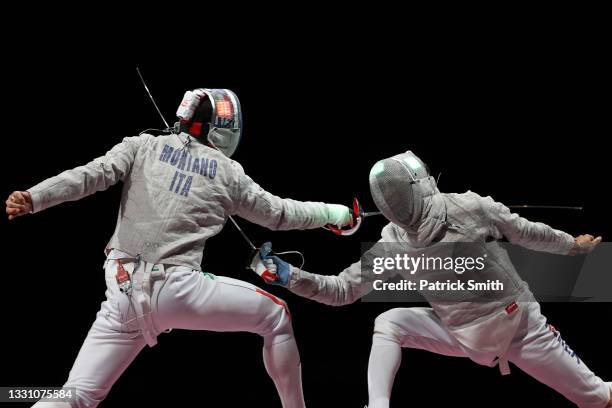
[{"x": 519, "y": 115}]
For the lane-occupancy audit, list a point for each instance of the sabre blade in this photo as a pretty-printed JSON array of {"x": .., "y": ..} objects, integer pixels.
[
  {"x": 541, "y": 207},
  {"x": 244, "y": 235},
  {"x": 548, "y": 207},
  {"x": 151, "y": 97}
]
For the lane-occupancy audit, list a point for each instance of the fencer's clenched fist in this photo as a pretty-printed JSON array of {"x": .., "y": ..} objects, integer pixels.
[
  {"x": 583, "y": 244},
  {"x": 278, "y": 267},
  {"x": 271, "y": 268},
  {"x": 269, "y": 263},
  {"x": 339, "y": 215},
  {"x": 18, "y": 203}
]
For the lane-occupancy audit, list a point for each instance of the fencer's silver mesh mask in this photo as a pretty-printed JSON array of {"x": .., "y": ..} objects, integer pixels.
[
  {"x": 225, "y": 128},
  {"x": 400, "y": 186}
]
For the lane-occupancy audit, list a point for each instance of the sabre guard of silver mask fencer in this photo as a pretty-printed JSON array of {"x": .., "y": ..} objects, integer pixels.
[
  {"x": 212, "y": 116},
  {"x": 407, "y": 195}
]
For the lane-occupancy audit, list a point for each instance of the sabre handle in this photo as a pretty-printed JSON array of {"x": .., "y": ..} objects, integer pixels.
[
  {"x": 258, "y": 266},
  {"x": 357, "y": 220}
]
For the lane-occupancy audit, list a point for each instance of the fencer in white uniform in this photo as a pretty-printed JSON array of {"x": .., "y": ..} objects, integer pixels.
[
  {"x": 490, "y": 327},
  {"x": 178, "y": 191}
]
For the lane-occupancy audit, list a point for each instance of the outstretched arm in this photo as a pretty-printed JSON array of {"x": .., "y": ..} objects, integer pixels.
[
  {"x": 339, "y": 290},
  {"x": 71, "y": 185},
  {"x": 351, "y": 284},
  {"x": 535, "y": 235},
  {"x": 257, "y": 205}
]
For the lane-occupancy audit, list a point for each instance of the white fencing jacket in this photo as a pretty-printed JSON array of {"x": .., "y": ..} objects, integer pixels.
[
  {"x": 177, "y": 193},
  {"x": 483, "y": 325}
]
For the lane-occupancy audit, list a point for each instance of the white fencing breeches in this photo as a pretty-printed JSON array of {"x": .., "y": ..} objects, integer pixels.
[
  {"x": 537, "y": 349},
  {"x": 185, "y": 299}
]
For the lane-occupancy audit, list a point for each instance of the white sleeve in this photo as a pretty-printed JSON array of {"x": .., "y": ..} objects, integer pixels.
[
  {"x": 351, "y": 284},
  {"x": 97, "y": 175},
  {"x": 520, "y": 231},
  {"x": 255, "y": 204}
]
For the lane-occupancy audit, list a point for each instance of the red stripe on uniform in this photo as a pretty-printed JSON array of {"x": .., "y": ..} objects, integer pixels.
[{"x": 275, "y": 300}]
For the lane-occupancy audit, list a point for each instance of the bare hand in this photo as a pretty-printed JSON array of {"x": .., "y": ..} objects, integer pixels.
[
  {"x": 583, "y": 244},
  {"x": 18, "y": 203}
]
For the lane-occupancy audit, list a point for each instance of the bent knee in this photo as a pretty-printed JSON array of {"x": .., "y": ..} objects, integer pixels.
[
  {"x": 385, "y": 328},
  {"x": 276, "y": 326},
  {"x": 396, "y": 324}
]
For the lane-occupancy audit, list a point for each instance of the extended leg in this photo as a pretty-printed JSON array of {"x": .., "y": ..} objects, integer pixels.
[
  {"x": 105, "y": 354},
  {"x": 403, "y": 327},
  {"x": 206, "y": 302},
  {"x": 540, "y": 351}
]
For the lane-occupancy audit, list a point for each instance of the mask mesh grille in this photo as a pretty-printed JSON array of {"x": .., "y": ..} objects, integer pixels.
[{"x": 393, "y": 193}]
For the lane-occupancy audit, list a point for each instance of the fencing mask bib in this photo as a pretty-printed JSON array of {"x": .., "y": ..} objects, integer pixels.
[{"x": 214, "y": 116}]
